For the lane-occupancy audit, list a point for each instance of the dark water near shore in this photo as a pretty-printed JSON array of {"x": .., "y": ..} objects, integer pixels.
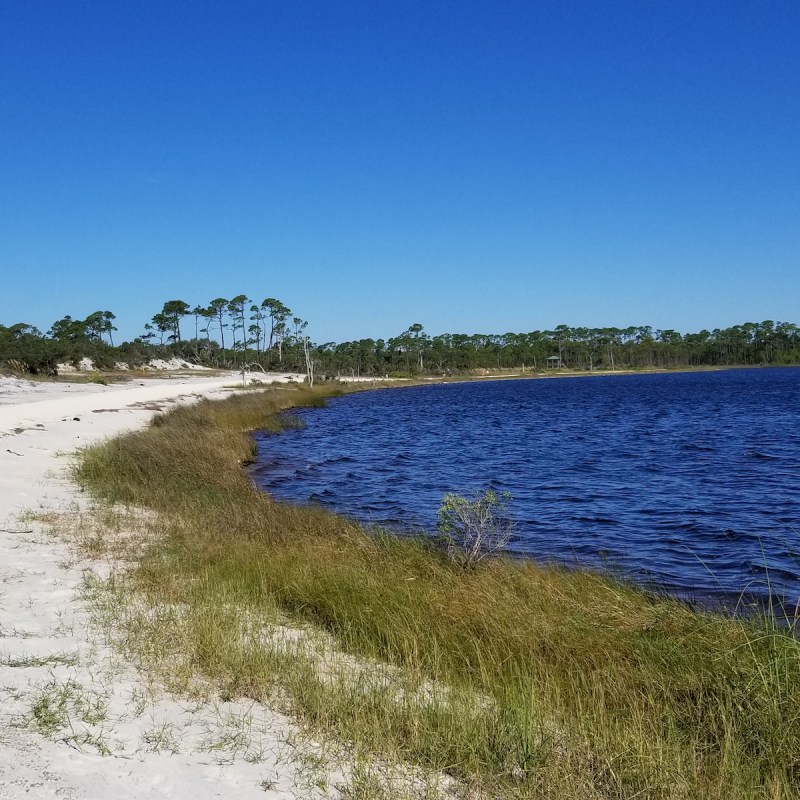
[{"x": 689, "y": 481}]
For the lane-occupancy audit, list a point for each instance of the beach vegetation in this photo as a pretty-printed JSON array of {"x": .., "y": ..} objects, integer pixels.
[
  {"x": 475, "y": 527},
  {"x": 511, "y": 679}
]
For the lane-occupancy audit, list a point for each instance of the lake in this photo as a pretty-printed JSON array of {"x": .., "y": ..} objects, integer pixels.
[{"x": 685, "y": 481}]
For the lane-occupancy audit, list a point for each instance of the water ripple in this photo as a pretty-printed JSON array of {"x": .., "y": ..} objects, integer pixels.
[{"x": 688, "y": 481}]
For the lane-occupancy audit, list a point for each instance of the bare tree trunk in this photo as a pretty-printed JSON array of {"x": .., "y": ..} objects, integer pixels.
[{"x": 309, "y": 363}]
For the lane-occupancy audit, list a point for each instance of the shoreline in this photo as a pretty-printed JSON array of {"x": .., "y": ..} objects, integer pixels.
[
  {"x": 606, "y": 373},
  {"x": 590, "y": 645},
  {"x": 391, "y": 383}
]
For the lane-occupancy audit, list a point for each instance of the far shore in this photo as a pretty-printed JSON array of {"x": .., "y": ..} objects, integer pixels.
[{"x": 562, "y": 373}]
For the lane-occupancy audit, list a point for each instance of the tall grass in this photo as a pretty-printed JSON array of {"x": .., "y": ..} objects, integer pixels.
[{"x": 520, "y": 680}]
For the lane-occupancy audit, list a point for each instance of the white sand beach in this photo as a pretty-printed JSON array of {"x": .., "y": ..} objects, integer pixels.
[{"x": 148, "y": 746}]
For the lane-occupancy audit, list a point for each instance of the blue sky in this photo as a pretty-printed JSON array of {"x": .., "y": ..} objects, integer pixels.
[{"x": 473, "y": 166}]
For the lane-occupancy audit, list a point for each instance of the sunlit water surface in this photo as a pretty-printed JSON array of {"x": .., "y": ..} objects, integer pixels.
[{"x": 687, "y": 481}]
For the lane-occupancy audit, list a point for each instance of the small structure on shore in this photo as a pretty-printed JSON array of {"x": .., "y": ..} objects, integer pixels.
[{"x": 554, "y": 362}]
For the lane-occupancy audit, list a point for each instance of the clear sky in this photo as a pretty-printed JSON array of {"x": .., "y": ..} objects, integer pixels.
[{"x": 473, "y": 166}]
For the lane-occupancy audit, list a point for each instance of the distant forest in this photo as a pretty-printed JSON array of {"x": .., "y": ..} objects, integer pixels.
[{"x": 239, "y": 333}]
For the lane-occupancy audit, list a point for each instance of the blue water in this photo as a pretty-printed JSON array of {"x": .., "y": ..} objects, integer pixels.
[{"x": 686, "y": 481}]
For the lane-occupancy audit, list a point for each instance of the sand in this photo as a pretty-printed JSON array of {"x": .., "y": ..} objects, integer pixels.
[{"x": 159, "y": 746}]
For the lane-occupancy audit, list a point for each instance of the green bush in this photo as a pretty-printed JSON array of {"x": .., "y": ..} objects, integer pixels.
[{"x": 474, "y": 527}]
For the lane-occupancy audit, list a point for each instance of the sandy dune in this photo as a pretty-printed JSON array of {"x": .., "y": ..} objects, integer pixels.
[{"x": 158, "y": 747}]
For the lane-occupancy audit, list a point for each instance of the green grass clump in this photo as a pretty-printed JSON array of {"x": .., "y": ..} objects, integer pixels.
[{"x": 520, "y": 680}]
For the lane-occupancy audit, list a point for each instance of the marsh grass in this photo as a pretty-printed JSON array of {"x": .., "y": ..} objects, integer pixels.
[{"x": 516, "y": 680}]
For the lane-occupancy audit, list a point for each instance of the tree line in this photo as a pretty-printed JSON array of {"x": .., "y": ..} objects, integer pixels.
[
  {"x": 241, "y": 333},
  {"x": 226, "y": 334},
  {"x": 576, "y": 348}
]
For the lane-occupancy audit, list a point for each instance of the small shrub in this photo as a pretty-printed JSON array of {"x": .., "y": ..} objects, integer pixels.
[{"x": 474, "y": 527}]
